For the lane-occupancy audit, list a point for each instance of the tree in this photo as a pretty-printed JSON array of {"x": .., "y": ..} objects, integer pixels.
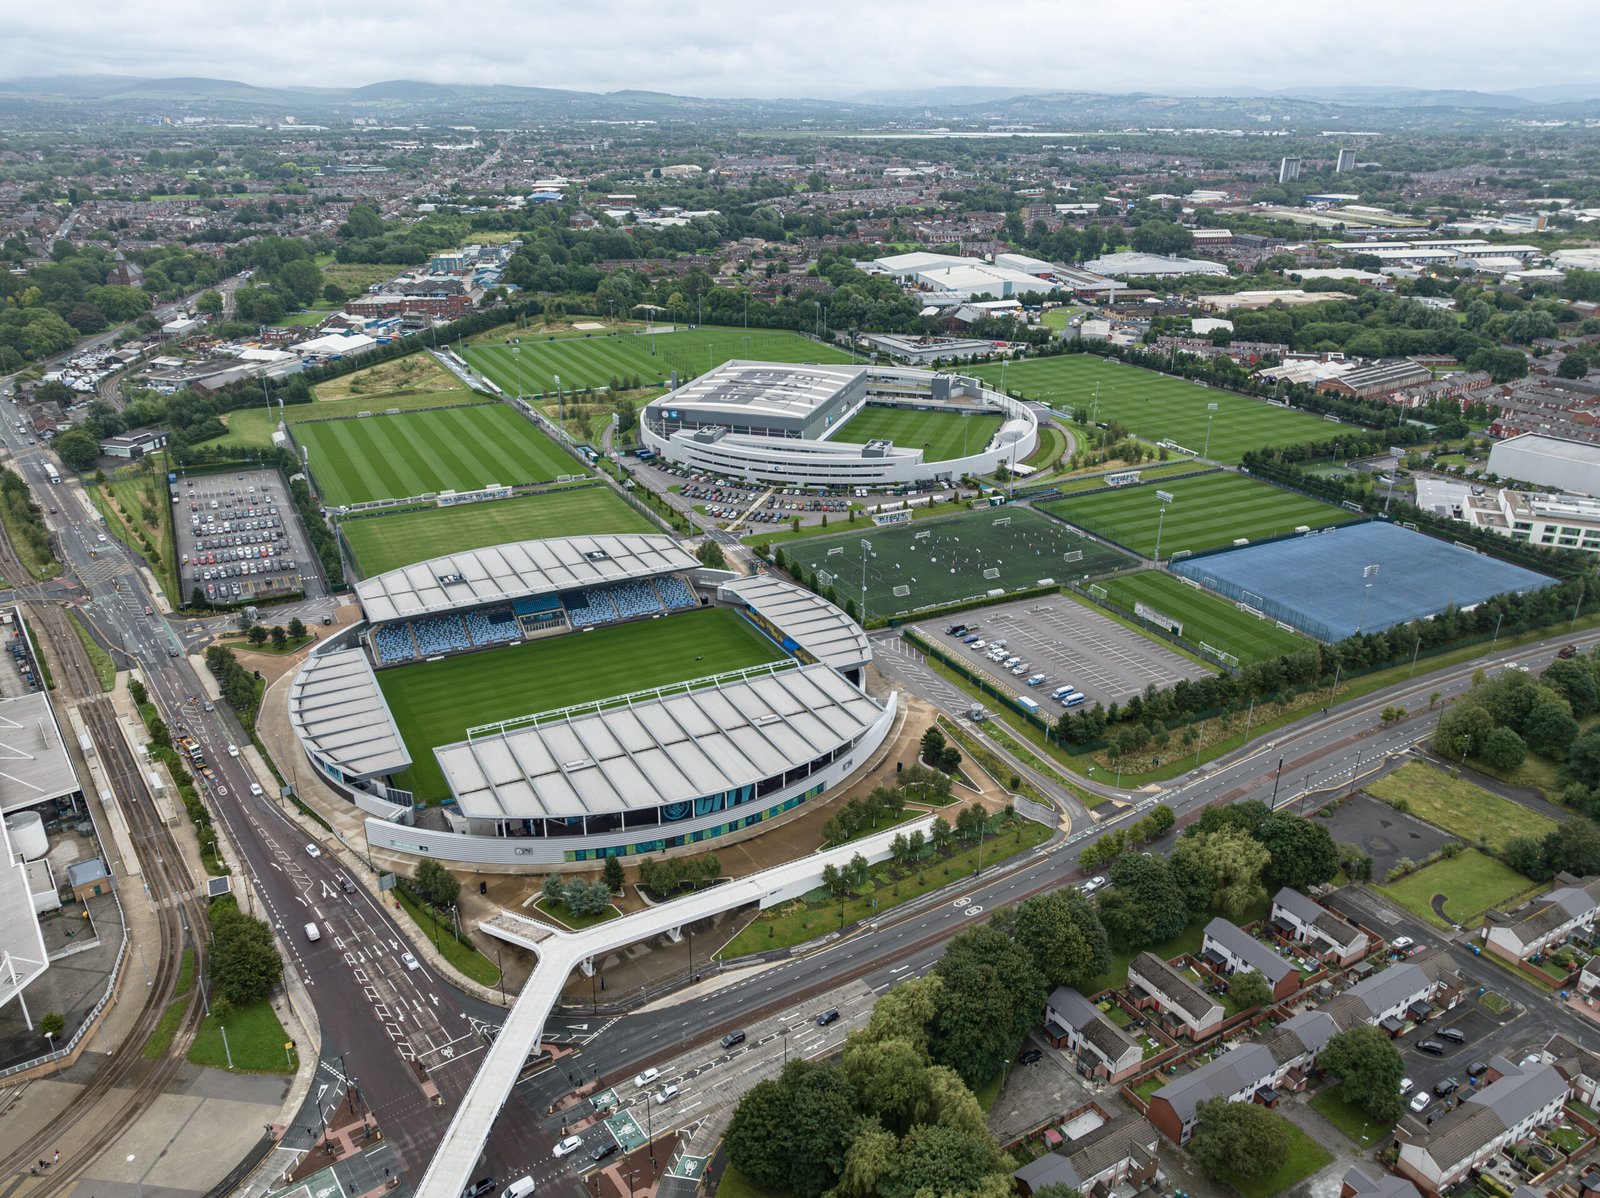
[
  {"x": 1240, "y": 1138},
  {"x": 891, "y": 1080},
  {"x": 208, "y": 302},
  {"x": 52, "y": 1025},
  {"x": 1143, "y": 905},
  {"x": 941, "y": 1160},
  {"x": 1063, "y": 934},
  {"x": 1549, "y": 728},
  {"x": 1302, "y": 851},
  {"x": 1237, "y": 860},
  {"x": 868, "y": 1160},
  {"x": 932, "y": 744},
  {"x": 613, "y": 875},
  {"x": 1525, "y": 854},
  {"x": 1503, "y": 749},
  {"x": 1369, "y": 1068},
  {"x": 334, "y": 294},
  {"x": 436, "y": 884},
  {"x": 1574, "y": 848},
  {"x": 280, "y": 638},
  {"x": 245, "y": 965},
  {"x": 1582, "y": 763},
  {"x": 794, "y": 1130},
  {"x": 710, "y": 555},
  {"x": 1249, "y": 989},
  {"x": 991, "y": 998},
  {"x": 553, "y": 889},
  {"x": 77, "y": 448},
  {"x": 257, "y": 635},
  {"x": 297, "y": 628},
  {"x": 905, "y": 1013}
]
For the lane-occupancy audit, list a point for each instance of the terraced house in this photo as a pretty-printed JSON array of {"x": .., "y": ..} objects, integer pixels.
[
  {"x": 1567, "y": 909},
  {"x": 1186, "y": 1007},
  {"x": 1334, "y": 939}
]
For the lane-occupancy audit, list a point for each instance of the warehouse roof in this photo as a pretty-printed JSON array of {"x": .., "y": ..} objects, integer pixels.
[
  {"x": 34, "y": 766},
  {"x": 502, "y": 573},
  {"x": 658, "y": 748},
  {"x": 815, "y": 626},
  {"x": 1135, "y": 265},
  {"x": 338, "y": 712}
]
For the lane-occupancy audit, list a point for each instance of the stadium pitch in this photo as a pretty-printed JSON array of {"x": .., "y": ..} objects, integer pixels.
[
  {"x": 1367, "y": 577},
  {"x": 941, "y": 435},
  {"x": 931, "y": 562},
  {"x": 393, "y": 539},
  {"x": 1159, "y": 407},
  {"x": 1205, "y": 619},
  {"x": 417, "y": 453},
  {"x": 1207, "y": 511},
  {"x": 434, "y": 703},
  {"x": 529, "y": 366}
]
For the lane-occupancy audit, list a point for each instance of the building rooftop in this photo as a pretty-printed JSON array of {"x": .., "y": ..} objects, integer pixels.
[
  {"x": 339, "y": 713},
  {"x": 34, "y": 766},
  {"x": 808, "y": 621},
  {"x": 1176, "y": 990},
  {"x": 1248, "y": 949},
  {"x": 1130, "y": 1137},
  {"x": 1518, "y": 1093},
  {"x": 657, "y": 748},
  {"x": 1138, "y": 265},
  {"x": 502, "y": 573},
  {"x": 760, "y": 389},
  {"x": 1309, "y": 911},
  {"x": 1078, "y": 1014}
]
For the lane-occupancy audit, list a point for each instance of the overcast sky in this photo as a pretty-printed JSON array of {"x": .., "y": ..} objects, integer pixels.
[{"x": 822, "y": 48}]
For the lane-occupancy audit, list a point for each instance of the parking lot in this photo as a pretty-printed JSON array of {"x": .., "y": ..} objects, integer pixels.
[
  {"x": 1383, "y": 833},
  {"x": 723, "y": 502},
  {"x": 1070, "y": 645},
  {"x": 239, "y": 539}
]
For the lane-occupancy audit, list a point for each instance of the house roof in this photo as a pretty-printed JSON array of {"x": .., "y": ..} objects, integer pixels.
[
  {"x": 1396, "y": 986},
  {"x": 1556, "y": 907},
  {"x": 1489, "y": 1111},
  {"x": 1173, "y": 988},
  {"x": 1245, "y": 947},
  {"x": 1308, "y": 911},
  {"x": 1247, "y": 1066},
  {"x": 1385, "y": 1185},
  {"x": 1131, "y": 1137},
  {"x": 1076, "y": 1012},
  {"x": 1571, "y": 1058}
]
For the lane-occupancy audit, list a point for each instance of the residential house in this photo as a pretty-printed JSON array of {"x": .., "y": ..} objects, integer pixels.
[
  {"x": 1577, "y": 1064},
  {"x": 1072, "y": 1021},
  {"x": 1516, "y": 1100},
  {"x": 1233, "y": 950},
  {"x": 1253, "y": 1072},
  {"x": 1330, "y": 936},
  {"x": 1118, "y": 1152},
  {"x": 1387, "y": 1185},
  {"x": 1559, "y": 913},
  {"x": 1402, "y": 994},
  {"x": 1154, "y": 983}
]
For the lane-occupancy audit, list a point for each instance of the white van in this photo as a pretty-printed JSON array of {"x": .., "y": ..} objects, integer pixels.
[
  {"x": 520, "y": 1188},
  {"x": 313, "y": 933}
]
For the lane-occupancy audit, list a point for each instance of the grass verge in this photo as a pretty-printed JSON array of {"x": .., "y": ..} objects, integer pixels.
[
  {"x": 1458, "y": 806},
  {"x": 1470, "y": 882},
  {"x": 1304, "y": 1157},
  {"x": 462, "y": 957},
  {"x": 161, "y": 1039},
  {"x": 1361, "y": 1127},
  {"x": 559, "y": 913},
  {"x": 255, "y": 1039},
  {"x": 104, "y": 668}
]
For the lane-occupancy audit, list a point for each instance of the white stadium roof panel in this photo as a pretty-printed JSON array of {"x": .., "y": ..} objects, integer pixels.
[
  {"x": 818, "y": 627},
  {"x": 516, "y": 571},
  {"x": 339, "y": 713},
  {"x": 670, "y": 749}
]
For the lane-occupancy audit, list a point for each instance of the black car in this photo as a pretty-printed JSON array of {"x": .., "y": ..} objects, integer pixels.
[
  {"x": 732, "y": 1038},
  {"x": 1031, "y": 1057},
  {"x": 478, "y": 1188},
  {"x": 1431, "y": 1047},
  {"x": 827, "y": 1017},
  {"x": 1454, "y": 1035},
  {"x": 605, "y": 1150},
  {"x": 1445, "y": 1088},
  {"x": 1477, "y": 1069}
]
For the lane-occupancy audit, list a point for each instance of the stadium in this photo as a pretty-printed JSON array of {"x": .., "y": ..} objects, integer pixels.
[
  {"x": 564, "y": 700},
  {"x": 838, "y": 426}
]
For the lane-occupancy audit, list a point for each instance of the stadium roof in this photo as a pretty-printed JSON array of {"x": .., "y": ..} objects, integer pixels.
[
  {"x": 505, "y": 572},
  {"x": 34, "y": 766},
  {"x": 815, "y": 625},
  {"x": 761, "y": 388},
  {"x": 22, "y": 949},
  {"x": 339, "y": 713},
  {"x": 670, "y": 749}
]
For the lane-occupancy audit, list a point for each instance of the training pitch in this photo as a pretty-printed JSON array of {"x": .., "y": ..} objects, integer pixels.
[
  {"x": 1207, "y": 511},
  {"x": 394, "y": 539},
  {"x": 530, "y": 366},
  {"x": 434, "y": 703},
  {"x": 1205, "y": 619},
  {"x": 1367, "y": 577},
  {"x": 938, "y": 561},
  {"x": 940, "y": 435},
  {"x": 417, "y": 453},
  {"x": 1159, "y": 407}
]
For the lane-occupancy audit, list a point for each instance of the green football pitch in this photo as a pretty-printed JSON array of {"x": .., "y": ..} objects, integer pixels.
[
  {"x": 1207, "y": 511},
  {"x": 1206, "y": 619},
  {"x": 416, "y": 453},
  {"x": 942, "y": 435},
  {"x": 434, "y": 703},
  {"x": 930, "y": 562},
  {"x": 1159, "y": 407},
  {"x": 530, "y": 366},
  {"x": 387, "y": 541}
]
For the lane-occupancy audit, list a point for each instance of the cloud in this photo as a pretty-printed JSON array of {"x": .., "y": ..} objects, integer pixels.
[{"x": 826, "y": 48}]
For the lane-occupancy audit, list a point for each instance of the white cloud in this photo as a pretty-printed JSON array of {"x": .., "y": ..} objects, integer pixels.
[{"x": 825, "y": 48}]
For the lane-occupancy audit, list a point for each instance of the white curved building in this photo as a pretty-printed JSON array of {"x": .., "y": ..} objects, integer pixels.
[
  {"x": 620, "y": 775},
  {"x": 775, "y": 423}
]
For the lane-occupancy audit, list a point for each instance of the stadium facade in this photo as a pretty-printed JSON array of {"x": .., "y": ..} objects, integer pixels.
[
  {"x": 620, "y": 775},
  {"x": 768, "y": 422}
]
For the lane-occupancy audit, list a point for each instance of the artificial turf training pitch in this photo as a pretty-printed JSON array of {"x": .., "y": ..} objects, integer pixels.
[
  {"x": 434, "y": 703},
  {"x": 1207, "y": 511},
  {"x": 1206, "y": 620},
  {"x": 941, "y": 435},
  {"x": 1158, "y": 407},
  {"x": 393, "y": 539},
  {"x": 417, "y": 453},
  {"x": 529, "y": 365},
  {"x": 937, "y": 561}
]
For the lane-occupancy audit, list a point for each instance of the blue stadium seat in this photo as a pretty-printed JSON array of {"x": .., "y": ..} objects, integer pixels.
[
  {"x": 440, "y": 634},
  {"x": 675, "y": 592},
  {"x": 492, "y": 626},
  {"x": 394, "y": 643}
]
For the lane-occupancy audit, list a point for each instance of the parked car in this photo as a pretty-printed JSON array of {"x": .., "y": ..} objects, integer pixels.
[
  {"x": 1421, "y": 1101},
  {"x": 1452, "y": 1034},
  {"x": 1093, "y": 884},
  {"x": 1406, "y": 1086},
  {"x": 1431, "y": 1047},
  {"x": 1445, "y": 1088},
  {"x": 1031, "y": 1057},
  {"x": 484, "y": 1185}
]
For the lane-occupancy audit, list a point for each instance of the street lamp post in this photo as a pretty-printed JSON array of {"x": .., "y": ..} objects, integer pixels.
[{"x": 1163, "y": 498}]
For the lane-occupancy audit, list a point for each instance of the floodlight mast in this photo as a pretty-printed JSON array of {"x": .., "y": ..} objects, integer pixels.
[
  {"x": 1368, "y": 573},
  {"x": 866, "y": 548},
  {"x": 1163, "y": 498}
]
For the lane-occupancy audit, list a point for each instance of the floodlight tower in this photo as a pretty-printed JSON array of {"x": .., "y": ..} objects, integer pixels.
[
  {"x": 866, "y": 548},
  {"x": 1163, "y": 498},
  {"x": 1368, "y": 573}
]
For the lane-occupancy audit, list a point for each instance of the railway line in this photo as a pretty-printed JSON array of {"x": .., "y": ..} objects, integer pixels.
[{"x": 126, "y": 1082}]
